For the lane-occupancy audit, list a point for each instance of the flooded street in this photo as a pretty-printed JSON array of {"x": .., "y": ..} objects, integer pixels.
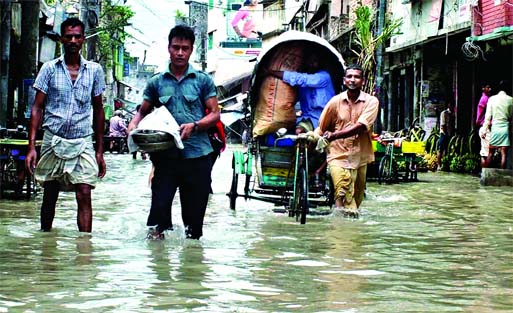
[{"x": 443, "y": 244}]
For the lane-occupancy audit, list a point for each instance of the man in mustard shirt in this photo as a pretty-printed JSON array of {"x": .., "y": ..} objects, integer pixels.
[{"x": 346, "y": 122}]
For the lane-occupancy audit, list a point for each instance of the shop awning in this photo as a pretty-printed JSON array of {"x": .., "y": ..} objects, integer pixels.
[
  {"x": 127, "y": 85},
  {"x": 497, "y": 33},
  {"x": 422, "y": 41}
]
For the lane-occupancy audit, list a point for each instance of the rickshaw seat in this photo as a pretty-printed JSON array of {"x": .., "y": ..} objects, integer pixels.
[{"x": 269, "y": 140}]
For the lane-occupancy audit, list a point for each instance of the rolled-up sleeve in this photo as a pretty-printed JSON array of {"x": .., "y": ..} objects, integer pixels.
[
  {"x": 99, "y": 81},
  {"x": 209, "y": 88},
  {"x": 42, "y": 79},
  {"x": 320, "y": 79},
  {"x": 328, "y": 119},
  {"x": 369, "y": 112}
]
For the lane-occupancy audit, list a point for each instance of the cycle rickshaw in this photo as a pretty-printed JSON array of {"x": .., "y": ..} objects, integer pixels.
[{"x": 279, "y": 167}]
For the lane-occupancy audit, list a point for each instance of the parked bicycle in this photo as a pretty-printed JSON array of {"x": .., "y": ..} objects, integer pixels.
[{"x": 387, "y": 171}]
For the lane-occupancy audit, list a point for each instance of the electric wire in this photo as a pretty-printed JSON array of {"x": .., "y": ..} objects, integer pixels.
[{"x": 472, "y": 51}]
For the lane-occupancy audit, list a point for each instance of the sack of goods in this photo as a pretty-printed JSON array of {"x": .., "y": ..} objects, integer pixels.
[
  {"x": 152, "y": 140},
  {"x": 276, "y": 99}
]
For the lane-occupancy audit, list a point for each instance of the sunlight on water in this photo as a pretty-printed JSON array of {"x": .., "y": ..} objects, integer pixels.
[
  {"x": 441, "y": 244},
  {"x": 308, "y": 263},
  {"x": 359, "y": 273}
]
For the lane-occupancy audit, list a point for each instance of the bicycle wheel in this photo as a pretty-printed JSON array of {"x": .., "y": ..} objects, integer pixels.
[
  {"x": 474, "y": 142},
  {"x": 411, "y": 168},
  {"x": 300, "y": 198},
  {"x": 385, "y": 171}
]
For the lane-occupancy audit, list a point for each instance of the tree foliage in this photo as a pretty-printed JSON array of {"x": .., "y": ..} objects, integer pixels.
[
  {"x": 111, "y": 31},
  {"x": 369, "y": 41}
]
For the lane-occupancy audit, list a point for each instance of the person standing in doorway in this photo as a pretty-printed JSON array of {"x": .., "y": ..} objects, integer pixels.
[
  {"x": 484, "y": 133},
  {"x": 187, "y": 93},
  {"x": 498, "y": 119},
  {"x": 446, "y": 131},
  {"x": 346, "y": 122},
  {"x": 69, "y": 105}
]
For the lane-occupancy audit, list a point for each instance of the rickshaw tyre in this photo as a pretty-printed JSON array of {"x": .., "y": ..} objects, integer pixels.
[
  {"x": 233, "y": 191},
  {"x": 299, "y": 205},
  {"x": 304, "y": 196},
  {"x": 233, "y": 188},
  {"x": 247, "y": 181}
]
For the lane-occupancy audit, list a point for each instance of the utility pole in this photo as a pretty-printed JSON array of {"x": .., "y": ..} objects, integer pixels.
[
  {"x": 379, "y": 68},
  {"x": 90, "y": 16},
  {"x": 28, "y": 52},
  {"x": 5, "y": 47}
]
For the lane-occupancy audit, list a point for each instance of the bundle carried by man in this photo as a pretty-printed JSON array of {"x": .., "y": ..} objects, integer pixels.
[
  {"x": 156, "y": 131},
  {"x": 275, "y": 107}
]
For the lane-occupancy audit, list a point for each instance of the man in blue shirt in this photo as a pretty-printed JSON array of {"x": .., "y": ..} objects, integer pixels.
[
  {"x": 186, "y": 93},
  {"x": 315, "y": 89}
]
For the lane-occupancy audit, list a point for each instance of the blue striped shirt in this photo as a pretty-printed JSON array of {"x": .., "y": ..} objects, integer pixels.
[{"x": 68, "y": 109}]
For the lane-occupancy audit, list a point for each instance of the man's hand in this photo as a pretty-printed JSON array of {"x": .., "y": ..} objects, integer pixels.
[
  {"x": 329, "y": 136},
  {"x": 130, "y": 128},
  {"x": 102, "y": 168},
  {"x": 30, "y": 160},
  {"x": 186, "y": 130}
]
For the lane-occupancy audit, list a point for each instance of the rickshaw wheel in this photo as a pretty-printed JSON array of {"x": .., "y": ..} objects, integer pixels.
[
  {"x": 246, "y": 185},
  {"x": 299, "y": 205},
  {"x": 233, "y": 189},
  {"x": 329, "y": 192}
]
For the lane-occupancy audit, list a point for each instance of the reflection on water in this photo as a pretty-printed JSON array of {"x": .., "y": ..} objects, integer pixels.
[{"x": 441, "y": 244}]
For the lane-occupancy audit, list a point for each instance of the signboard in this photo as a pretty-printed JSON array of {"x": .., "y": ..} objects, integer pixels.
[
  {"x": 239, "y": 49},
  {"x": 126, "y": 69}
]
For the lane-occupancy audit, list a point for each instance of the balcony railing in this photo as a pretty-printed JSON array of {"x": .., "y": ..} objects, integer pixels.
[
  {"x": 338, "y": 26},
  {"x": 274, "y": 17}
]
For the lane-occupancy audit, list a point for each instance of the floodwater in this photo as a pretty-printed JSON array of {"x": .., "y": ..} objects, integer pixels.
[{"x": 443, "y": 244}]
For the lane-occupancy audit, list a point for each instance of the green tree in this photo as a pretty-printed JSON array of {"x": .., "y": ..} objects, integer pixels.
[
  {"x": 368, "y": 41},
  {"x": 112, "y": 34}
]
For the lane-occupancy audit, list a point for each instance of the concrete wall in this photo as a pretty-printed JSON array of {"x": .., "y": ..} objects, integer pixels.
[{"x": 425, "y": 19}]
